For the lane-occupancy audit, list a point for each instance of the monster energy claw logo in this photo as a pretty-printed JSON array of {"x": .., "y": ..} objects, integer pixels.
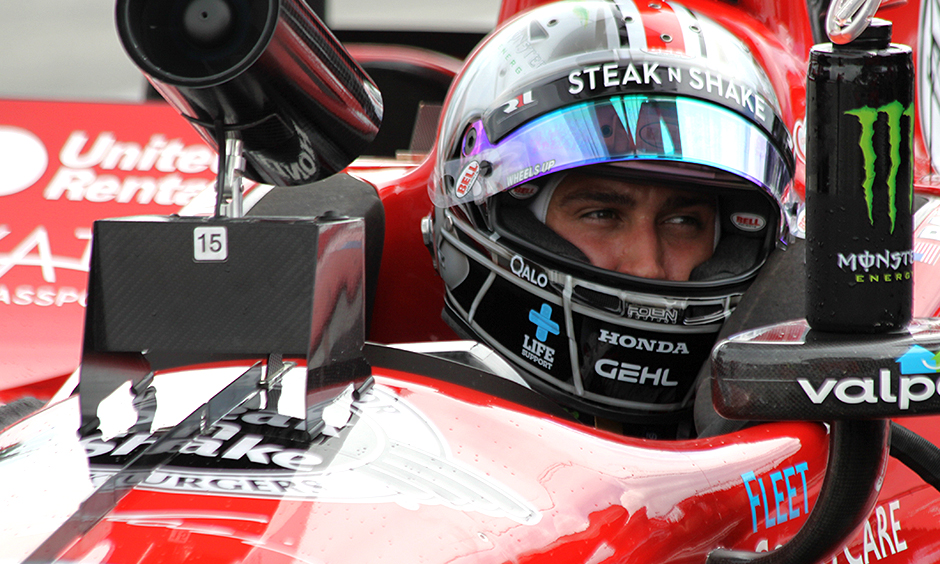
[{"x": 867, "y": 117}]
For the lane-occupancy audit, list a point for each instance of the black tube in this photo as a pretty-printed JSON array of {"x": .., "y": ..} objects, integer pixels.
[
  {"x": 856, "y": 462},
  {"x": 917, "y": 453}
]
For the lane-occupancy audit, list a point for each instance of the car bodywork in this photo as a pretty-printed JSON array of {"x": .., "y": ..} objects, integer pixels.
[{"x": 425, "y": 452}]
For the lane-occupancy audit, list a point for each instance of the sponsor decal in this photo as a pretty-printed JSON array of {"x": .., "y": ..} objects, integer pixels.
[
  {"x": 867, "y": 117},
  {"x": 210, "y": 244},
  {"x": 23, "y": 160},
  {"x": 263, "y": 454},
  {"x": 520, "y": 101},
  {"x": 524, "y": 192},
  {"x": 518, "y": 53},
  {"x": 632, "y": 373},
  {"x": 649, "y": 313},
  {"x": 35, "y": 250},
  {"x": 879, "y": 539},
  {"x": 612, "y": 74},
  {"x": 302, "y": 167},
  {"x": 641, "y": 344},
  {"x": 225, "y": 443},
  {"x": 467, "y": 178},
  {"x": 617, "y": 75},
  {"x": 152, "y": 173},
  {"x": 748, "y": 221},
  {"x": 888, "y": 266},
  {"x": 918, "y": 382},
  {"x": 42, "y": 296},
  {"x": 529, "y": 172},
  {"x": 799, "y": 138},
  {"x": 778, "y": 494},
  {"x": 535, "y": 349},
  {"x": 523, "y": 270}
]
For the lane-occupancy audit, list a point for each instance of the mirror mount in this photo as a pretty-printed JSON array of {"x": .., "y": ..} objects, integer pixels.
[{"x": 229, "y": 190}]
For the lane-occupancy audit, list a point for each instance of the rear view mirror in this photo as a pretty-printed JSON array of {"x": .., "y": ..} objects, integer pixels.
[{"x": 267, "y": 74}]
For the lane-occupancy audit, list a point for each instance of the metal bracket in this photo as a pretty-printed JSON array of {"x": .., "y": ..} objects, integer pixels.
[{"x": 847, "y": 19}]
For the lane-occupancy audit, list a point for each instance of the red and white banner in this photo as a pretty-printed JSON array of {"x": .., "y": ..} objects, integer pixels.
[{"x": 62, "y": 166}]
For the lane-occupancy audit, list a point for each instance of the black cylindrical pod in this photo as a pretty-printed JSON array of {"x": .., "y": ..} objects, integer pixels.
[{"x": 859, "y": 184}]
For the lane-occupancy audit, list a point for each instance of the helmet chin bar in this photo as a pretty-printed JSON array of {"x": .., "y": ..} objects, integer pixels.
[{"x": 512, "y": 275}]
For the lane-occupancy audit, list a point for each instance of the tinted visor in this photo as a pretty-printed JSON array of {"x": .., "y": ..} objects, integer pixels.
[{"x": 620, "y": 128}]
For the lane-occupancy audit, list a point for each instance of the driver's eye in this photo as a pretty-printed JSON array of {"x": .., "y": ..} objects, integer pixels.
[
  {"x": 684, "y": 220},
  {"x": 602, "y": 214}
]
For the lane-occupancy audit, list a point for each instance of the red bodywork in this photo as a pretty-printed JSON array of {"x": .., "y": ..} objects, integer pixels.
[
  {"x": 469, "y": 477},
  {"x": 43, "y": 245},
  {"x": 599, "y": 497}
]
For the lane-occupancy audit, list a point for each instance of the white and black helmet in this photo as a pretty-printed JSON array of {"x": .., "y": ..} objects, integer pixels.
[{"x": 652, "y": 92}]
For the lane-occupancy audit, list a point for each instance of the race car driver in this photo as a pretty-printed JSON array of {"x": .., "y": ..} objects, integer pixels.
[{"x": 610, "y": 177}]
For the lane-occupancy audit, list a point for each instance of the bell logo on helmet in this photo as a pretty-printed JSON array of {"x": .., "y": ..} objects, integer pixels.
[
  {"x": 467, "y": 178},
  {"x": 524, "y": 191},
  {"x": 748, "y": 221}
]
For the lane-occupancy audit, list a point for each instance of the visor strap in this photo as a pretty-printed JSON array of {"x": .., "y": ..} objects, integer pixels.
[
  {"x": 539, "y": 204},
  {"x": 717, "y": 224},
  {"x": 572, "y": 342}
]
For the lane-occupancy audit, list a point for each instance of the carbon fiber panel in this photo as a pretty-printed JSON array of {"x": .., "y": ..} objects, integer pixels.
[
  {"x": 150, "y": 291},
  {"x": 789, "y": 373}
]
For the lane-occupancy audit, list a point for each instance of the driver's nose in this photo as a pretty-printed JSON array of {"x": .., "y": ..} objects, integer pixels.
[{"x": 639, "y": 253}]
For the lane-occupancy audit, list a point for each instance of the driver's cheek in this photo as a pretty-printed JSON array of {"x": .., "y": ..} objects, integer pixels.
[{"x": 681, "y": 257}]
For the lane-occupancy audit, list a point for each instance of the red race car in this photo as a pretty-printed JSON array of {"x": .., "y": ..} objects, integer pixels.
[{"x": 266, "y": 374}]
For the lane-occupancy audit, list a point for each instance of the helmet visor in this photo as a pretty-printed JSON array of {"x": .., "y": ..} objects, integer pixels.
[{"x": 616, "y": 129}]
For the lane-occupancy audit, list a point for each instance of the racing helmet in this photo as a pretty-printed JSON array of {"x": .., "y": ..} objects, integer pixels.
[{"x": 647, "y": 92}]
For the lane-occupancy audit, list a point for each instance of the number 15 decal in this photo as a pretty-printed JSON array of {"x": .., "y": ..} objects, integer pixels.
[{"x": 210, "y": 244}]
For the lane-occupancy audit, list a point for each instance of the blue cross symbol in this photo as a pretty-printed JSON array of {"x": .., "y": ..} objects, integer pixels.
[{"x": 543, "y": 320}]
